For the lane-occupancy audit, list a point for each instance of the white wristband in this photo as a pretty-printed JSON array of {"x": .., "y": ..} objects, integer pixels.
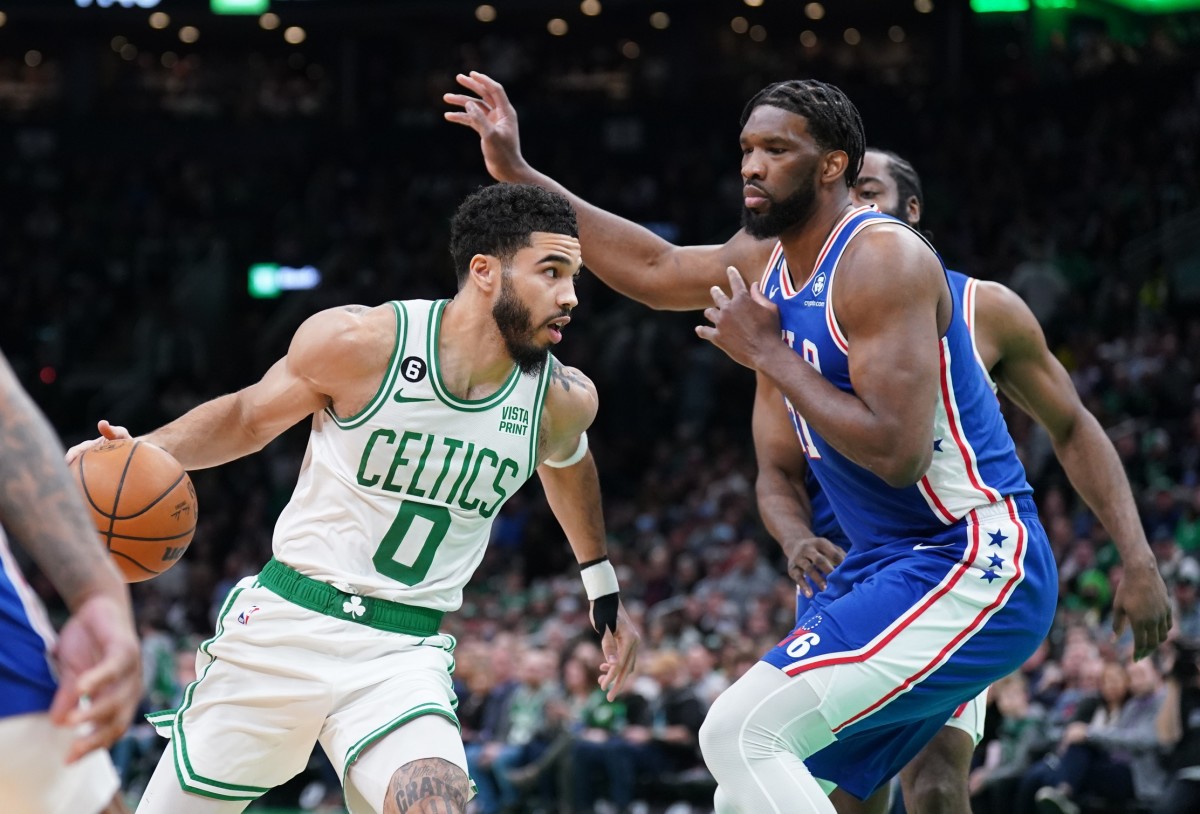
[
  {"x": 600, "y": 579},
  {"x": 576, "y": 456}
]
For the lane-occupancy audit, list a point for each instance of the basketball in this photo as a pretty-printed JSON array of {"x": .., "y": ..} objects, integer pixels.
[{"x": 142, "y": 502}]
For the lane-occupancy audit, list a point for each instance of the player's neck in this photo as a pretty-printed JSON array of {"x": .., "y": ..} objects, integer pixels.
[
  {"x": 471, "y": 353},
  {"x": 802, "y": 245}
]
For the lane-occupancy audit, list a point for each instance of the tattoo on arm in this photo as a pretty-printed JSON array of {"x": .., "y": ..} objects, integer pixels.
[
  {"x": 564, "y": 377},
  {"x": 39, "y": 503},
  {"x": 356, "y": 309},
  {"x": 428, "y": 786}
]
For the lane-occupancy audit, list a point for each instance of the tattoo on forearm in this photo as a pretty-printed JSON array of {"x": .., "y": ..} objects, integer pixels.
[
  {"x": 564, "y": 377},
  {"x": 356, "y": 309},
  {"x": 429, "y": 786},
  {"x": 39, "y": 503}
]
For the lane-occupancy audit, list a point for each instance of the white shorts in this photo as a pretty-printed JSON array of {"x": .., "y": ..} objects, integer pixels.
[
  {"x": 34, "y": 776},
  {"x": 277, "y": 678},
  {"x": 970, "y": 716}
]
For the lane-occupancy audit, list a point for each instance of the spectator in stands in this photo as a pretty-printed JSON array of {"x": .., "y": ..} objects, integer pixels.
[{"x": 1178, "y": 727}]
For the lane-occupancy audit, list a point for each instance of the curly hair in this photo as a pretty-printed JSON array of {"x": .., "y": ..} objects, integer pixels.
[
  {"x": 833, "y": 120},
  {"x": 499, "y": 219}
]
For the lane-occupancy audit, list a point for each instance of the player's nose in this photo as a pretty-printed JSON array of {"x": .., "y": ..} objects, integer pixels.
[{"x": 567, "y": 298}]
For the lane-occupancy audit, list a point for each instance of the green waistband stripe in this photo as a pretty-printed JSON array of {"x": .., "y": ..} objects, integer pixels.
[{"x": 321, "y": 597}]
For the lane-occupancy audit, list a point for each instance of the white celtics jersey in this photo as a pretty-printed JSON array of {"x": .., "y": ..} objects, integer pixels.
[{"x": 398, "y": 501}]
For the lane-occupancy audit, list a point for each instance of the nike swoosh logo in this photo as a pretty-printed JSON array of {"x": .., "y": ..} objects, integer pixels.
[
  {"x": 774, "y": 291},
  {"x": 922, "y": 546},
  {"x": 400, "y": 398}
]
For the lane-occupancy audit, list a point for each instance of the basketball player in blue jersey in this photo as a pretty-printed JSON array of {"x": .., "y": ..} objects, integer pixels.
[
  {"x": 425, "y": 417},
  {"x": 1011, "y": 349},
  {"x": 52, "y": 743},
  {"x": 954, "y": 583}
]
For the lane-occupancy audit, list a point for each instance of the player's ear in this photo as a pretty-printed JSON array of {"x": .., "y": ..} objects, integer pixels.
[
  {"x": 913, "y": 209},
  {"x": 485, "y": 271},
  {"x": 834, "y": 166}
]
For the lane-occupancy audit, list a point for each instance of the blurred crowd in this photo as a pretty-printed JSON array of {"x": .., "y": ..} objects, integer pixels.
[{"x": 126, "y": 242}]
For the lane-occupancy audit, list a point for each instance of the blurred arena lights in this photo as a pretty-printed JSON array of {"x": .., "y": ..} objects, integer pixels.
[
  {"x": 758, "y": 33},
  {"x": 660, "y": 20},
  {"x": 160, "y": 20},
  {"x": 852, "y": 36},
  {"x": 923, "y": 6},
  {"x": 3, "y": 19},
  {"x": 485, "y": 13},
  {"x": 590, "y": 7},
  {"x": 630, "y": 49},
  {"x": 558, "y": 26},
  {"x": 740, "y": 25},
  {"x": 814, "y": 11},
  {"x": 896, "y": 34},
  {"x": 294, "y": 35},
  {"x": 808, "y": 39},
  {"x": 269, "y": 21},
  {"x": 33, "y": 58},
  {"x": 48, "y": 375},
  {"x": 239, "y": 6},
  {"x": 189, "y": 34}
]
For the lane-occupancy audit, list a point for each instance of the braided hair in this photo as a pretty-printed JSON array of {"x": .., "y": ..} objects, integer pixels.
[{"x": 833, "y": 119}]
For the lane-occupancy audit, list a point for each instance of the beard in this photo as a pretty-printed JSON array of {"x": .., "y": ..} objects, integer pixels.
[
  {"x": 782, "y": 215},
  {"x": 516, "y": 329}
]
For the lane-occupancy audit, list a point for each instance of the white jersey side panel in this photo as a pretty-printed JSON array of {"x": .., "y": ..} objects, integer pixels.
[{"x": 398, "y": 501}]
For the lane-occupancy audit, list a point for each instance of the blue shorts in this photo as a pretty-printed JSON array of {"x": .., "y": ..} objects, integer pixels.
[
  {"x": 26, "y": 681},
  {"x": 916, "y": 628}
]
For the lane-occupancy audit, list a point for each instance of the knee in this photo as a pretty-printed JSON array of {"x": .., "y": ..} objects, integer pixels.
[
  {"x": 938, "y": 792},
  {"x": 427, "y": 786}
]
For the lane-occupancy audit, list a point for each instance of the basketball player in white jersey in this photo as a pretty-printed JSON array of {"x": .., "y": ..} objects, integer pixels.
[
  {"x": 426, "y": 416},
  {"x": 1012, "y": 351},
  {"x": 53, "y": 744}
]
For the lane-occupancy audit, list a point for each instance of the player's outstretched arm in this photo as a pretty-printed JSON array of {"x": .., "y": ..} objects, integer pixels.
[
  {"x": 783, "y": 500},
  {"x": 41, "y": 507},
  {"x": 572, "y": 486},
  {"x": 1036, "y": 381},
  {"x": 332, "y": 352},
  {"x": 628, "y": 257}
]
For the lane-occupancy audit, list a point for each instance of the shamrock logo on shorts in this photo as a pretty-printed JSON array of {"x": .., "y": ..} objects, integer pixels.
[{"x": 354, "y": 606}]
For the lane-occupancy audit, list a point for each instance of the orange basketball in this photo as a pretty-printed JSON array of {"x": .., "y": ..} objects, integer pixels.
[{"x": 142, "y": 502}]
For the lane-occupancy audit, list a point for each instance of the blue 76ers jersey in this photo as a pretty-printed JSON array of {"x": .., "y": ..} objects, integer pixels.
[
  {"x": 974, "y": 460},
  {"x": 823, "y": 523},
  {"x": 27, "y": 682}
]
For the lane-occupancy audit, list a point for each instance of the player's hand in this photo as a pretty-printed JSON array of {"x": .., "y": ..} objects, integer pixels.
[
  {"x": 492, "y": 116},
  {"x": 1141, "y": 599},
  {"x": 620, "y": 654},
  {"x": 810, "y": 560},
  {"x": 98, "y": 658},
  {"x": 108, "y": 432},
  {"x": 744, "y": 325}
]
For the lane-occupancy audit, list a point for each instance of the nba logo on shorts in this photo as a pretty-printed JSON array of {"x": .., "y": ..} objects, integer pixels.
[{"x": 244, "y": 616}]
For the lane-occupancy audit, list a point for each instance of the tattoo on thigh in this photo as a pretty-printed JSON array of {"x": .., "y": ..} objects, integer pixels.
[{"x": 430, "y": 786}]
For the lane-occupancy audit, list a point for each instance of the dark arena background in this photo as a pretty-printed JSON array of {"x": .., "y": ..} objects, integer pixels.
[{"x": 184, "y": 182}]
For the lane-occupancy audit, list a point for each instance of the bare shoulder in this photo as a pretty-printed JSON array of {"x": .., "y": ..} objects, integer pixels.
[
  {"x": 344, "y": 342},
  {"x": 891, "y": 249},
  {"x": 571, "y": 400},
  {"x": 1005, "y": 318}
]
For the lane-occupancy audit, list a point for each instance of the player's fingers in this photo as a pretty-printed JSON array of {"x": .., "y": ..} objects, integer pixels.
[
  {"x": 1119, "y": 620},
  {"x": 720, "y": 298},
  {"x": 470, "y": 82},
  {"x": 706, "y": 332},
  {"x": 99, "y": 738},
  {"x": 112, "y": 431},
  {"x": 817, "y": 577},
  {"x": 493, "y": 91},
  {"x": 65, "y": 700},
  {"x": 736, "y": 284}
]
